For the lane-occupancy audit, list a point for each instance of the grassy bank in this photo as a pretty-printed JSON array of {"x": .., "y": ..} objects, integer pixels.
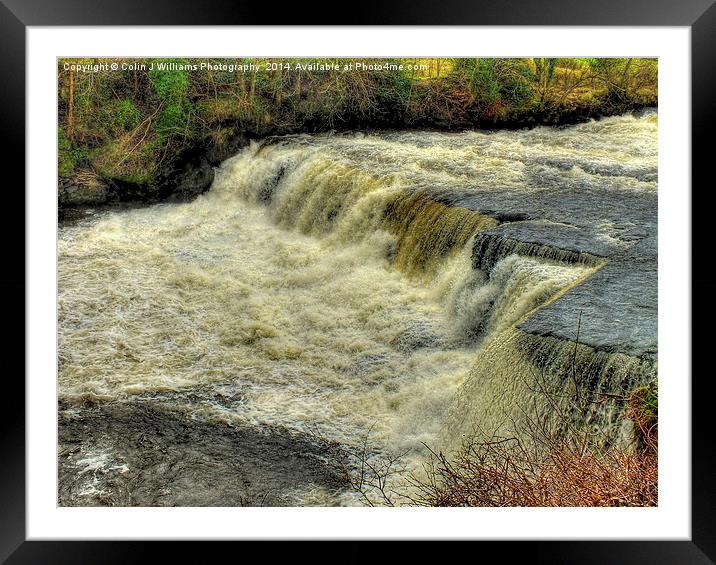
[{"x": 130, "y": 128}]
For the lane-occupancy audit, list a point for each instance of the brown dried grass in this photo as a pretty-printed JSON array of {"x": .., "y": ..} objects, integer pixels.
[{"x": 501, "y": 472}]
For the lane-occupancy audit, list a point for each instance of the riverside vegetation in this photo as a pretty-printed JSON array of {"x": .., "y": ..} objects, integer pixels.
[{"x": 146, "y": 135}]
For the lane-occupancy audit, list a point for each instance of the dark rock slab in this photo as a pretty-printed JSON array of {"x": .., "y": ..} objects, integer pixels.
[
  {"x": 618, "y": 307},
  {"x": 135, "y": 453},
  {"x": 190, "y": 180},
  {"x": 72, "y": 193},
  {"x": 618, "y": 304}
]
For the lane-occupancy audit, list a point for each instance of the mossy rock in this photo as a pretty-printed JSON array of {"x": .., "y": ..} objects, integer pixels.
[{"x": 75, "y": 192}]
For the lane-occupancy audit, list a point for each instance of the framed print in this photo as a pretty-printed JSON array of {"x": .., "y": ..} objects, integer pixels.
[{"x": 362, "y": 283}]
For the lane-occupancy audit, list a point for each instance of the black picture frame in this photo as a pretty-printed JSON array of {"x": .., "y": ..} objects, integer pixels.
[{"x": 16, "y": 15}]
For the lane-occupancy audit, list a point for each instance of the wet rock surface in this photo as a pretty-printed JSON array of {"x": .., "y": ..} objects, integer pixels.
[
  {"x": 138, "y": 453},
  {"x": 618, "y": 304},
  {"x": 189, "y": 181},
  {"x": 72, "y": 193}
]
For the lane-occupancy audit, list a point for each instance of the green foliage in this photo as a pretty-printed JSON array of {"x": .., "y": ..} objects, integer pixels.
[
  {"x": 119, "y": 161},
  {"x": 499, "y": 87},
  {"x": 127, "y": 114},
  {"x": 644, "y": 412},
  {"x": 645, "y": 401},
  {"x": 65, "y": 157},
  {"x": 114, "y": 118},
  {"x": 170, "y": 85},
  {"x": 591, "y": 61},
  {"x": 174, "y": 120},
  {"x": 481, "y": 80}
]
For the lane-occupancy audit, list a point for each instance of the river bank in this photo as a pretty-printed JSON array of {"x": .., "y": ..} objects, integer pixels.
[
  {"x": 193, "y": 171},
  {"x": 154, "y": 130}
]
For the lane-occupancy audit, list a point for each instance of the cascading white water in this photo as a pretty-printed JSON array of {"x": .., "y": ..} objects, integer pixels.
[{"x": 327, "y": 282}]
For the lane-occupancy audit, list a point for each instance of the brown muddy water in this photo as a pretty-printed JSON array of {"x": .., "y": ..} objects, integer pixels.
[{"x": 230, "y": 351}]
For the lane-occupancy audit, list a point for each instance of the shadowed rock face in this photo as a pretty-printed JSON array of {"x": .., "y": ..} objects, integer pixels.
[{"x": 152, "y": 454}]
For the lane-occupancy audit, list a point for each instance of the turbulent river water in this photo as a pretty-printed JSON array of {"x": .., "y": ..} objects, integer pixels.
[{"x": 333, "y": 288}]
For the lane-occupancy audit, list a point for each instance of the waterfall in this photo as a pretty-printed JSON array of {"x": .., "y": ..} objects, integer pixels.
[{"x": 363, "y": 282}]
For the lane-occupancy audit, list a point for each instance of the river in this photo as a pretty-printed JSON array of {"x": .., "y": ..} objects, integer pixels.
[{"x": 362, "y": 293}]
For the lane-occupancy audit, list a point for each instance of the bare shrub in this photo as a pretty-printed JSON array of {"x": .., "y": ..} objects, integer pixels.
[
  {"x": 501, "y": 472},
  {"x": 547, "y": 465},
  {"x": 550, "y": 458},
  {"x": 376, "y": 476}
]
